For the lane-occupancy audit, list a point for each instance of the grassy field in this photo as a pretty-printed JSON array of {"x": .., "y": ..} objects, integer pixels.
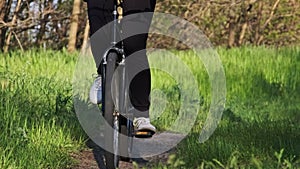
[{"x": 259, "y": 129}]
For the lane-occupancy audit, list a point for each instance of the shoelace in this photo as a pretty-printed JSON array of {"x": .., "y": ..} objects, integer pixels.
[
  {"x": 141, "y": 120},
  {"x": 97, "y": 81}
]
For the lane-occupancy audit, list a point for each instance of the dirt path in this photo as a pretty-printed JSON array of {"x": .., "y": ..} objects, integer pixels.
[{"x": 154, "y": 150}]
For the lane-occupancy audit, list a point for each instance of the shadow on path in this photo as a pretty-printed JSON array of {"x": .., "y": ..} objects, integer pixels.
[
  {"x": 146, "y": 151},
  {"x": 97, "y": 160}
]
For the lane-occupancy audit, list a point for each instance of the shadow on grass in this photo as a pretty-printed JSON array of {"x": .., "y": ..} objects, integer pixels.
[{"x": 245, "y": 141}]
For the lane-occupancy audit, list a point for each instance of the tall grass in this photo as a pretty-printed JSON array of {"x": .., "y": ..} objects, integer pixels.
[
  {"x": 260, "y": 126},
  {"x": 38, "y": 126}
]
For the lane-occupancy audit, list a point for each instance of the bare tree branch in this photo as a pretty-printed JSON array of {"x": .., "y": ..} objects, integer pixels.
[
  {"x": 14, "y": 20},
  {"x": 271, "y": 14}
]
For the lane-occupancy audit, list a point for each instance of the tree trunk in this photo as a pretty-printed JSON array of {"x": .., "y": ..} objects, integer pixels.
[
  {"x": 231, "y": 34},
  {"x": 85, "y": 36},
  {"x": 244, "y": 19},
  {"x": 232, "y": 27},
  {"x": 4, "y": 12},
  {"x": 2, "y": 15},
  {"x": 257, "y": 28},
  {"x": 242, "y": 34},
  {"x": 74, "y": 26}
]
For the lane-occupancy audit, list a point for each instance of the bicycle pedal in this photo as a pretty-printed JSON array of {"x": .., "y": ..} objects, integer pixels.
[{"x": 143, "y": 134}]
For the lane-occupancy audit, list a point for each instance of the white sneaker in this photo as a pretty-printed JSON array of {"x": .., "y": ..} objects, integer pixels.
[
  {"x": 143, "y": 124},
  {"x": 96, "y": 91}
]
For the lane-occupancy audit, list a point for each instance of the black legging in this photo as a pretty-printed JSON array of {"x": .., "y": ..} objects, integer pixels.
[{"x": 100, "y": 13}]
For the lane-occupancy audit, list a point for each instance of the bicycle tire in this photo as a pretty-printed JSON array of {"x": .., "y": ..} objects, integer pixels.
[
  {"x": 111, "y": 159},
  {"x": 125, "y": 140}
]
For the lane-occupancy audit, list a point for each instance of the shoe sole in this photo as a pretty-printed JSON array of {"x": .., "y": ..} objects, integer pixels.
[{"x": 144, "y": 134}]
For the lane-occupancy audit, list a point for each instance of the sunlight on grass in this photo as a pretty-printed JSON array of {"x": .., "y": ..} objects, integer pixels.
[{"x": 260, "y": 126}]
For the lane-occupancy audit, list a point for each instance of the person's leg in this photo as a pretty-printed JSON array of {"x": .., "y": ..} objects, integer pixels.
[
  {"x": 135, "y": 47},
  {"x": 99, "y": 14},
  {"x": 137, "y": 67}
]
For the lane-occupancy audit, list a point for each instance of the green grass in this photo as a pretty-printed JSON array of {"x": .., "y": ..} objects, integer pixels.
[
  {"x": 259, "y": 129},
  {"x": 38, "y": 125},
  {"x": 260, "y": 124}
]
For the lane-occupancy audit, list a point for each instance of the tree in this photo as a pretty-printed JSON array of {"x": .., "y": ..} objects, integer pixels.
[
  {"x": 74, "y": 26},
  {"x": 85, "y": 36},
  {"x": 57, "y": 24}
]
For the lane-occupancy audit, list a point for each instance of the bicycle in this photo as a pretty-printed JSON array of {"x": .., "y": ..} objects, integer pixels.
[{"x": 115, "y": 107}]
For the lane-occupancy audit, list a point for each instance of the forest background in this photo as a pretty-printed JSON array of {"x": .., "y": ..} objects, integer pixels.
[{"x": 58, "y": 24}]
